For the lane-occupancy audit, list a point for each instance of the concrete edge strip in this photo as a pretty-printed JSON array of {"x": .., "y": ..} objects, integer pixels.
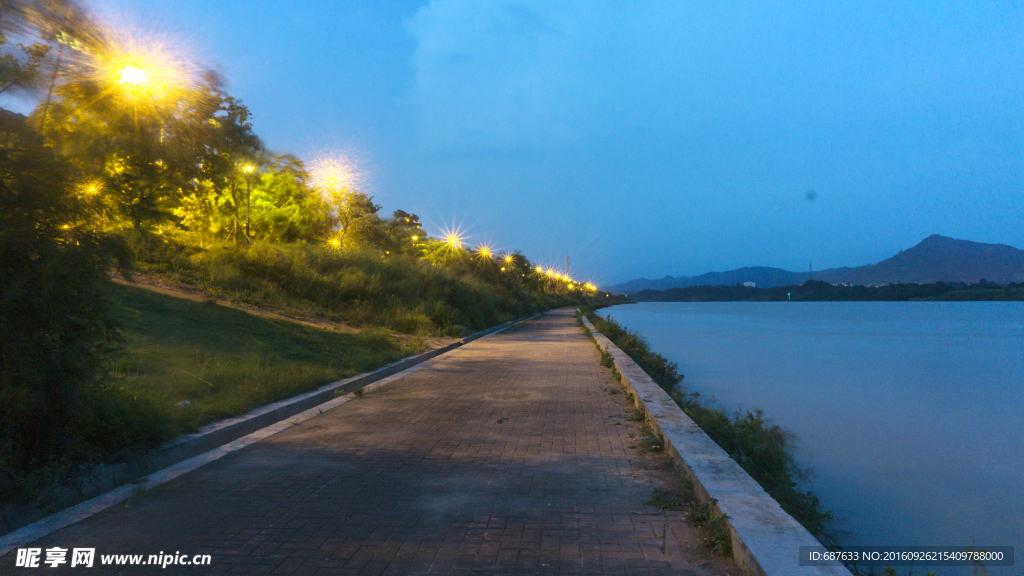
[
  {"x": 77, "y": 513},
  {"x": 765, "y": 539}
]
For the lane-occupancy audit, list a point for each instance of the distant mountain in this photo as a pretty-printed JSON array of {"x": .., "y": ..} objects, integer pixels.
[{"x": 935, "y": 259}]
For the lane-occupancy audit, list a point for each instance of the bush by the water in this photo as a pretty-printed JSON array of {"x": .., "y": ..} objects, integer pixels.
[
  {"x": 763, "y": 450},
  {"x": 665, "y": 373}
]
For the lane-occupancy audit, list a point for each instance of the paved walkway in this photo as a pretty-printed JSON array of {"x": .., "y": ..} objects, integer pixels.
[{"x": 507, "y": 455}]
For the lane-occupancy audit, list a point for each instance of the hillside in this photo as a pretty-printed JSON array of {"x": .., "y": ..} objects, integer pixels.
[{"x": 934, "y": 259}]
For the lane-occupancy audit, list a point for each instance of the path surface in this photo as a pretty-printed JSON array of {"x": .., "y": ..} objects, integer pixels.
[{"x": 508, "y": 455}]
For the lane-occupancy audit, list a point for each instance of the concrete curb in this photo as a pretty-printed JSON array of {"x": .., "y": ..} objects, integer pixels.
[
  {"x": 765, "y": 539},
  {"x": 230, "y": 435}
]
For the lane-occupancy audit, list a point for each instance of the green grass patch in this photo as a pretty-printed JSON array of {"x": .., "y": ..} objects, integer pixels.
[
  {"x": 196, "y": 363},
  {"x": 363, "y": 287}
]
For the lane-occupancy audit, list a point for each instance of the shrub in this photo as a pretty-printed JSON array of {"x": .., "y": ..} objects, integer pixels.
[{"x": 55, "y": 326}]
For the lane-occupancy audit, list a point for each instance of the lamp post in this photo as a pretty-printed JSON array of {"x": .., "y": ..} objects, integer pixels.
[{"x": 249, "y": 169}]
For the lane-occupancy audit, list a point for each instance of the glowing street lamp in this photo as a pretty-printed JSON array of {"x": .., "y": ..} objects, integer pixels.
[{"x": 133, "y": 76}]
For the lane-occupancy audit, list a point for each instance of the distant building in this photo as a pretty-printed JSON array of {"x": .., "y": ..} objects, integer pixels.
[{"x": 749, "y": 284}]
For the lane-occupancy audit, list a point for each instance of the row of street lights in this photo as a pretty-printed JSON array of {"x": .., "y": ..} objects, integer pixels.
[{"x": 139, "y": 80}]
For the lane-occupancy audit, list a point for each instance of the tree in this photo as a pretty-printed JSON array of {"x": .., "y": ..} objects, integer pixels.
[
  {"x": 284, "y": 208},
  {"x": 355, "y": 215},
  {"x": 405, "y": 234},
  {"x": 21, "y": 72},
  {"x": 54, "y": 325}
]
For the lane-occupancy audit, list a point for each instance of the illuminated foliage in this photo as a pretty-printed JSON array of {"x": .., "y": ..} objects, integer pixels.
[{"x": 355, "y": 219}]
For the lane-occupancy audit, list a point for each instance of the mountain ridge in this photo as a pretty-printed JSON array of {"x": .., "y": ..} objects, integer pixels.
[{"x": 934, "y": 259}]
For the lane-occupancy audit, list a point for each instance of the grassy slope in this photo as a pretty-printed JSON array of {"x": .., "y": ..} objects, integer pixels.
[
  {"x": 362, "y": 288},
  {"x": 224, "y": 361}
]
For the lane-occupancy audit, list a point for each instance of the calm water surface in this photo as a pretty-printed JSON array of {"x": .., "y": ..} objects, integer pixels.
[{"x": 911, "y": 414}]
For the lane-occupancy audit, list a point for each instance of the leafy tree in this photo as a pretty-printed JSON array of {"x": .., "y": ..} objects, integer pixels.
[
  {"x": 285, "y": 209},
  {"x": 21, "y": 71},
  {"x": 226, "y": 145},
  {"x": 355, "y": 215},
  {"x": 54, "y": 326},
  {"x": 404, "y": 233}
]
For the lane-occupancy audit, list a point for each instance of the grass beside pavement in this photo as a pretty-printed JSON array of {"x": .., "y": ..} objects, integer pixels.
[{"x": 196, "y": 362}]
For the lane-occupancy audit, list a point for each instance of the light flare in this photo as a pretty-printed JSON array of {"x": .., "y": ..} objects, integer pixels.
[
  {"x": 146, "y": 69},
  {"x": 335, "y": 171},
  {"x": 484, "y": 252},
  {"x": 453, "y": 239},
  {"x": 89, "y": 189}
]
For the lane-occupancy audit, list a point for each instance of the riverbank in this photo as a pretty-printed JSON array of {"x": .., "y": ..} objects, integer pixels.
[
  {"x": 763, "y": 450},
  {"x": 903, "y": 410},
  {"x": 816, "y": 291}
]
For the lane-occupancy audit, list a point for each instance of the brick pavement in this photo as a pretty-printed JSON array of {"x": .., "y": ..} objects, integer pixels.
[{"x": 506, "y": 456}]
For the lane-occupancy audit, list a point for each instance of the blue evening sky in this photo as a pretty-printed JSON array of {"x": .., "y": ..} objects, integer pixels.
[{"x": 645, "y": 138}]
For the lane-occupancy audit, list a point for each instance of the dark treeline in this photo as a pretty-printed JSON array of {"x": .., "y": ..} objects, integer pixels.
[{"x": 817, "y": 291}]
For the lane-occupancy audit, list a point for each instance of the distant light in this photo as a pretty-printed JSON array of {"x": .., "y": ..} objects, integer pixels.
[
  {"x": 415, "y": 237},
  {"x": 248, "y": 168},
  {"x": 508, "y": 259},
  {"x": 133, "y": 75}
]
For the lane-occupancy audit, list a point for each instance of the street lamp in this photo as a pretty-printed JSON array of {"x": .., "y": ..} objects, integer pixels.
[
  {"x": 134, "y": 76},
  {"x": 249, "y": 169}
]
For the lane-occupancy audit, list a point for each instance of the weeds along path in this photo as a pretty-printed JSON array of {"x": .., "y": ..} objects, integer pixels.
[
  {"x": 170, "y": 287},
  {"x": 508, "y": 455}
]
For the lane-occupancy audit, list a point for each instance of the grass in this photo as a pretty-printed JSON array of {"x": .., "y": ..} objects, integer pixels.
[
  {"x": 682, "y": 497},
  {"x": 362, "y": 287},
  {"x": 196, "y": 363},
  {"x": 650, "y": 441},
  {"x": 656, "y": 366}
]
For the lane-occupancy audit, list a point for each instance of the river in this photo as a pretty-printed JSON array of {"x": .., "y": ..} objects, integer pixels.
[{"x": 910, "y": 414}]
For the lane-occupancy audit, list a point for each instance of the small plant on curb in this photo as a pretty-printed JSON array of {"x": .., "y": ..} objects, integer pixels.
[
  {"x": 358, "y": 392},
  {"x": 703, "y": 514},
  {"x": 666, "y": 500},
  {"x": 638, "y": 415},
  {"x": 651, "y": 441}
]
